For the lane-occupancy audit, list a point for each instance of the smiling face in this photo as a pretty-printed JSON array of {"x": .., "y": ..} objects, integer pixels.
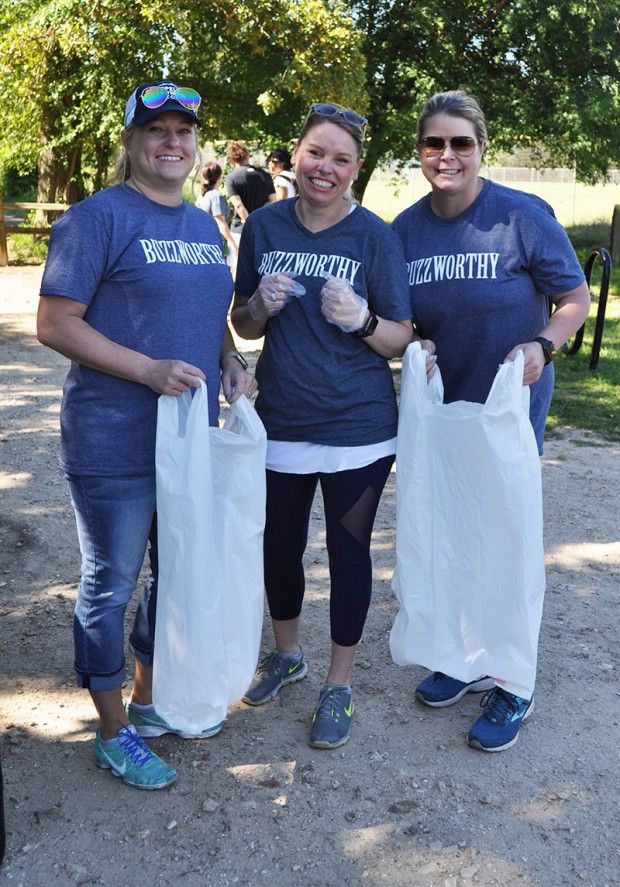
[
  {"x": 452, "y": 177},
  {"x": 326, "y": 162},
  {"x": 162, "y": 152}
]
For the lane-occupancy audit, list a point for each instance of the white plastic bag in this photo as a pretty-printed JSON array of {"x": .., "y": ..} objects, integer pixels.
[
  {"x": 210, "y": 518},
  {"x": 469, "y": 572}
]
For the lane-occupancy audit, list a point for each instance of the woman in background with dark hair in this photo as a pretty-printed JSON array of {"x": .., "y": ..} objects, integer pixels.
[{"x": 214, "y": 202}]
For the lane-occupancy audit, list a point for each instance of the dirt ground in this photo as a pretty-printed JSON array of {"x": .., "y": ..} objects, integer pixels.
[{"x": 405, "y": 803}]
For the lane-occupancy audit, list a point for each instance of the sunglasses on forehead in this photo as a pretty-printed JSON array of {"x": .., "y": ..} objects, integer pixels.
[
  {"x": 463, "y": 146},
  {"x": 156, "y": 96},
  {"x": 328, "y": 109}
]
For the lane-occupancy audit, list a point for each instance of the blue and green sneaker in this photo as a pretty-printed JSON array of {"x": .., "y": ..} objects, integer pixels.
[
  {"x": 149, "y": 724},
  {"x": 497, "y": 728},
  {"x": 331, "y": 722},
  {"x": 439, "y": 689},
  {"x": 130, "y": 758},
  {"x": 274, "y": 672}
]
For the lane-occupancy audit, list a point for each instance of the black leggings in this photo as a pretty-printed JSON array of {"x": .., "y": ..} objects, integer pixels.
[{"x": 350, "y": 499}]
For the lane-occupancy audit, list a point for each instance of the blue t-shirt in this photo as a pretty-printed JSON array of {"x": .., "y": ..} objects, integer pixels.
[
  {"x": 155, "y": 280},
  {"x": 480, "y": 284},
  {"x": 317, "y": 383}
]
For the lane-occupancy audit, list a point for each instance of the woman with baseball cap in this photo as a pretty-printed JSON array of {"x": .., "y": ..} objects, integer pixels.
[{"x": 135, "y": 293}]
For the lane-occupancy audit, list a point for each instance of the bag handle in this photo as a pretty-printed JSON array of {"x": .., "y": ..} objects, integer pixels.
[
  {"x": 506, "y": 394},
  {"x": 413, "y": 380}
]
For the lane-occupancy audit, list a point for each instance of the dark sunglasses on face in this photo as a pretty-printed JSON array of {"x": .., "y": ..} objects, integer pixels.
[
  {"x": 156, "y": 96},
  {"x": 463, "y": 146},
  {"x": 328, "y": 109}
]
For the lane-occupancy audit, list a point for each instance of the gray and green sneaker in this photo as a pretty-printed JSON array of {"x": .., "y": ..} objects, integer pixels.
[
  {"x": 149, "y": 724},
  {"x": 331, "y": 723},
  {"x": 275, "y": 671},
  {"x": 130, "y": 758}
]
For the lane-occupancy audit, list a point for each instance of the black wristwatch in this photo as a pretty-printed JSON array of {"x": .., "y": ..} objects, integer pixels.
[
  {"x": 548, "y": 348},
  {"x": 369, "y": 327}
]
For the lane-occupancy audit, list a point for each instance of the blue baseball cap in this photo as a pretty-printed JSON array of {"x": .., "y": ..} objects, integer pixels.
[{"x": 149, "y": 100}]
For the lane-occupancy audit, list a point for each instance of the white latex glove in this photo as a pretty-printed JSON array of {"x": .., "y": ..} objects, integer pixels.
[
  {"x": 341, "y": 306},
  {"x": 273, "y": 292}
]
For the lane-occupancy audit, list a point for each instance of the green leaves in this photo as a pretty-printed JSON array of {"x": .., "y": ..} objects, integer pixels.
[{"x": 547, "y": 75}]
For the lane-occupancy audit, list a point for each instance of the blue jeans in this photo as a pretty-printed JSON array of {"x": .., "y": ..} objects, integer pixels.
[{"x": 116, "y": 520}]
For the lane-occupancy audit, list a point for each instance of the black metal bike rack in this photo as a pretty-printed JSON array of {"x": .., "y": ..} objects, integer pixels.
[
  {"x": 2, "y": 826},
  {"x": 602, "y": 305}
]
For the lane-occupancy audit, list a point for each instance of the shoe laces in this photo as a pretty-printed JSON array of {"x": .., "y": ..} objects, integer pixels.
[
  {"x": 135, "y": 747},
  {"x": 271, "y": 664},
  {"x": 329, "y": 701},
  {"x": 500, "y": 706}
]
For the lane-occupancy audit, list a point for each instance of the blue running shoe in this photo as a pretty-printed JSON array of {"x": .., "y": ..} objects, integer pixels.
[
  {"x": 439, "y": 689},
  {"x": 274, "y": 672},
  {"x": 331, "y": 723},
  {"x": 498, "y": 726},
  {"x": 130, "y": 758},
  {"x": 149, "y": 724}
]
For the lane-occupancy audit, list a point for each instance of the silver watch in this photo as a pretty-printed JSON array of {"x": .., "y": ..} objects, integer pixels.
[{"x": 234, "y": 353}]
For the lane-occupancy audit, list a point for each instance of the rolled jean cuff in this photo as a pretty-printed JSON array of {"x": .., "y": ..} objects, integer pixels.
[
  {"x": 101, "y": 681},
  {"x": 142, "y": 655}
]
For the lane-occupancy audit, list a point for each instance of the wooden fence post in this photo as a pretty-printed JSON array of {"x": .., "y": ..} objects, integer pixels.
[{"x": 4, "y": 251}]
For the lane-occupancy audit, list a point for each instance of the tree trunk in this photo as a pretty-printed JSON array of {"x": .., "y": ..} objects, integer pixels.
[
  {"x": 359, "y": 186},
  {"x": 59, "y": 181}
]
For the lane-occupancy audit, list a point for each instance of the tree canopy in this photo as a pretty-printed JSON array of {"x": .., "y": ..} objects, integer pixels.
[{"x": 547, "y": 75}]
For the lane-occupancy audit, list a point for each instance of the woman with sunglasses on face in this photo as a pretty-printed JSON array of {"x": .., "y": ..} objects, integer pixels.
[
  {"x": 484, "y": 262},
  {"x": 323, "y": 280},
  {"x": 281, "y": 169},
  {"x": 135, "y": 293}
]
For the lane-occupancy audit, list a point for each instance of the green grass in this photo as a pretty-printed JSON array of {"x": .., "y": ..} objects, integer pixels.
[{"x": 590, "y": 399}]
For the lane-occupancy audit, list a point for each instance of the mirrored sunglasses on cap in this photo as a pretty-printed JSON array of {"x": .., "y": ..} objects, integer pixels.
[
  {"x": 463, "y": 146},
  {"x": 329, "y": 109},
  {"x": 156, "y": 96}
]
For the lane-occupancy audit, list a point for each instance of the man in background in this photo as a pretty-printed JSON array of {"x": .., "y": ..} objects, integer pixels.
[{"x": 248, "y": 187}]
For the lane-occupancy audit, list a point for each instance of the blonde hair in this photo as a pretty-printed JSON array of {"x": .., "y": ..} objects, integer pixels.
[
  {"x": 454, "y": 103},
  {"x": 315, "y": 119}
]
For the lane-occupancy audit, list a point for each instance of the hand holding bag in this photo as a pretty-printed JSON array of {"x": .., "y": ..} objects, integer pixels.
[
  {"x": 210, "y": 518},
  {"x": 469, "y": 573}
]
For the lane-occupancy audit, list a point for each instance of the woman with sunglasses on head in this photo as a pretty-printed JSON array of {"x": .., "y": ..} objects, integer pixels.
[
  {"x": 323, "y": 280},
  {"x": 484, "y": 262},
  {"x": 135, "y": 293}
]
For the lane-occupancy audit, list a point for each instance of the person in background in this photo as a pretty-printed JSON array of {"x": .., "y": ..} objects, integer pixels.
[
  {"x": 135, "y": 293},
  {"x": 280, "y": 167},
  {"x": 326, "y": 398},
  {"x": 248, "y": 187},
  {"x": 484, "y": 263},
  {"x": 211, "y": 200}
]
